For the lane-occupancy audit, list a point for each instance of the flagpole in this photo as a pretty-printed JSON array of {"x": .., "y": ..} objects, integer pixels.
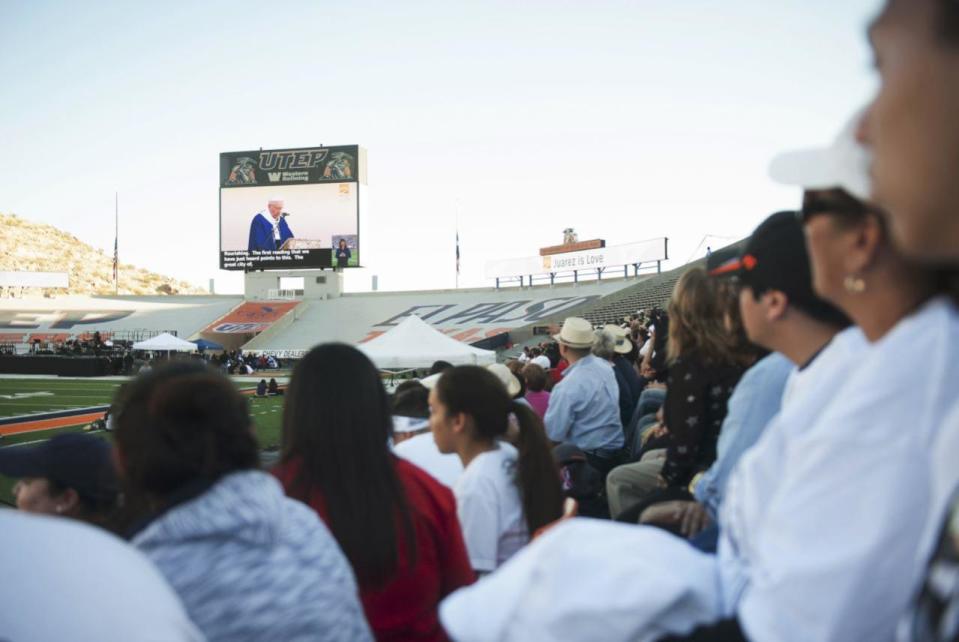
[
  {"x": 457, "y": 245},
  {"x": 116, "y": 241}
]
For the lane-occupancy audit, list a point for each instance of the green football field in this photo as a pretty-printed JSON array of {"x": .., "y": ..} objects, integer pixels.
[{"x": 31, "y": 396}]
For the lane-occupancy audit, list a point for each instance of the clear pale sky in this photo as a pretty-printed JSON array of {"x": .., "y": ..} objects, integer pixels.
[{"x": 624, "y": 120}]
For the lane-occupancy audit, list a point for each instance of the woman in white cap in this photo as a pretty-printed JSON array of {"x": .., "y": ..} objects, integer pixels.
[{"x": 505, "y": 493}]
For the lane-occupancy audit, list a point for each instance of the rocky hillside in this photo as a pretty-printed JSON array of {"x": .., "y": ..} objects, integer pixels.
[{"x": 36, "y": 247}]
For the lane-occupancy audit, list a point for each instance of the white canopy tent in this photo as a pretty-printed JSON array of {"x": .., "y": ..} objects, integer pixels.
[
  {"x": 416, "y": 344},
  {"x": 164, "y": 342}
]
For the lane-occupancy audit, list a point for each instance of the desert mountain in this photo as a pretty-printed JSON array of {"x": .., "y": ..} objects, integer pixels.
[{"x": 37, "y": 247}]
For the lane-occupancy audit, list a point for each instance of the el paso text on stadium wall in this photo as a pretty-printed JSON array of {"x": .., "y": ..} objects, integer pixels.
[
  {"x": 476, "y": 321},
  {"x": 284, "y": 173}
]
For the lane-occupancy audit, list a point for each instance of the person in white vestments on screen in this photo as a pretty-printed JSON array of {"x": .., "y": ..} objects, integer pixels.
[{"x": 269, "y": 229}]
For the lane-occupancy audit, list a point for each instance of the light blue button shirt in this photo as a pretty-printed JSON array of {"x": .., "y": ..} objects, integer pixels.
[
  {"x": 755, "y": 401},
  {"x": 584, "y": 407}
]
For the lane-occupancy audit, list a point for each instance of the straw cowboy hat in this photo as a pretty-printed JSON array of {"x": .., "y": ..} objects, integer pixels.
[
  {"x": 623, "y": 344},
  {"x": 576, "y": 333},
  {"x": 512, "y": 384}
]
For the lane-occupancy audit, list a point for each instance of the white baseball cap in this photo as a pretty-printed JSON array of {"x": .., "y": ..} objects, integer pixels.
[
  {"x": 276, "y": 199},
  {"x": 409, "y": 424},
  {"x": 843, "y": 164}
]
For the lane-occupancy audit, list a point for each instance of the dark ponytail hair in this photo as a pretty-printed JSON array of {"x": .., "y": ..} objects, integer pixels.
[
  {"x": 476, "y": 392},
  {"x": 337, "y": 423},
  {"x": 948, "y": 22}
]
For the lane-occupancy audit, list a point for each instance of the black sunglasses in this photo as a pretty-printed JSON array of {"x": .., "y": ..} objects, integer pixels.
[{"x": 837, "y": 207}]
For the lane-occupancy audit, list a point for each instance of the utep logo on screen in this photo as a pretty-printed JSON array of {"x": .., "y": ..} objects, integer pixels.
[{"x": 291, "y": 166}]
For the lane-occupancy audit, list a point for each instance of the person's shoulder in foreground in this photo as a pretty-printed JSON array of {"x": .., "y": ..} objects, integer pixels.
[
  {"x": 245, "y": 558},
  {"x": 64, "y": 580}
]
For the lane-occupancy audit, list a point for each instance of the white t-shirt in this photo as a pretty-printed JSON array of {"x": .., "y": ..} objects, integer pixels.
[
  {"x": 839, "y": 353},
  {"x": 542, "y": 361},
  {"x": 834, "y": 555},
  {"x": 422, "y": 451},
  {"x": 64, "y": 580},
  {"x": 757, "y": 475},
  {"x": 646, "y": 348},
  {"x": 489, "y": 508}
]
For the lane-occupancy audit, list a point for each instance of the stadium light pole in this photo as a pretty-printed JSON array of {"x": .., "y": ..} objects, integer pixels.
[
  {"x": 457, "y": 218},
  {"x": 116, "y": 240}
]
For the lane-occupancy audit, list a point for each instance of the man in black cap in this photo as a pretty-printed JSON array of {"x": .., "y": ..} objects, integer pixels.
[
  {"x": 780, "y": 312},
  {"x": 71, "y": 475}
]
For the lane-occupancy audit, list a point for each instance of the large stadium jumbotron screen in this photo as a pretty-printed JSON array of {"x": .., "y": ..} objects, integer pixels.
[{"x": 291, "y": 208}]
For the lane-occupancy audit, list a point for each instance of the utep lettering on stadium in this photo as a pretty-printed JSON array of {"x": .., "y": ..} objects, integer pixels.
[
  {"x": 491, "y": 312},
  {"x": 294, "y": 159}
]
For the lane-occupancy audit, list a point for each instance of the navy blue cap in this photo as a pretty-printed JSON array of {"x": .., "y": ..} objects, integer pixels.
[{"x": 74, "y": 460}]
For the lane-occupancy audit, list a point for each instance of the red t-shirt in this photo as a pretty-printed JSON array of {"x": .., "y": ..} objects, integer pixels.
[
  {"x": 405, "y": 607},
  {"x": 557, "y": 372}
]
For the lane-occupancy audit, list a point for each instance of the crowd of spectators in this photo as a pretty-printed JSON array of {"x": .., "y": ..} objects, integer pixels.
[
  {"x": 245, "y": 363},
  {"x": 772, "y": 457},
  {"x": 125, "y": 360}
]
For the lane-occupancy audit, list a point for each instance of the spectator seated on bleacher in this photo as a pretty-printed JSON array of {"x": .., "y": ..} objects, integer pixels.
[
  {"x": 540, "y": 359},
  {"x": 536, "y": 393},
  {"x": 509, "y": 487},
  {"x": 412, "y": 438},
  {"x": 243, "y": 558},
  {"x": 703, "y": 370},
  {"x": 603, "y": 348},
  {"x": 405, "y": 545},
  {"x": 584, "y": 406}
]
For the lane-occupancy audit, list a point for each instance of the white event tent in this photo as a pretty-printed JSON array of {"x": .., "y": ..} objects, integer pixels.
[
  {"x": 164, "y": 342},
  {"x": 416, "y": 344}
]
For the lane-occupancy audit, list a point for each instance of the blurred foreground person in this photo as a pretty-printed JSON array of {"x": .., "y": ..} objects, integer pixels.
[
  {"x": 63, "y": 580},
  {"x": 248, "y": 563},
  {"x": 913, "y": 131},
  {"x": 71, "y": 475},
  {"x": 396, "y": 524}
]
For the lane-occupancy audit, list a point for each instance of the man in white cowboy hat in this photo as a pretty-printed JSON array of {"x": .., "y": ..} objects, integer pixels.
[
  {"x": 624, "y": 366},
  {"x": 584, "y": 406}
]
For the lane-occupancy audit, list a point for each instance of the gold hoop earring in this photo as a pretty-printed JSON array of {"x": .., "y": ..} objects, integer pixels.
[{"x": 854, "y": 284}]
